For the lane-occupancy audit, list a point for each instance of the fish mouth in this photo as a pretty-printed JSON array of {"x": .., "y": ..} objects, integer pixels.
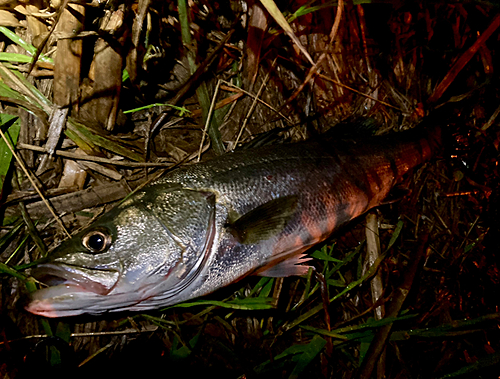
[
  {"x": 69, "y": 288},
  {"x": 77, "y": 278}
]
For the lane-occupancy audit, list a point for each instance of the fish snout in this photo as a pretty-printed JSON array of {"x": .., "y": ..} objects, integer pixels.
[{"x": 99, "y": 281}]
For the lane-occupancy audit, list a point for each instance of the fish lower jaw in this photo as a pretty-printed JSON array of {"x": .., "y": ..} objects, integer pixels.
[
  {"x": 67, "y": 276},
  {"x": 49, "y": 302}
]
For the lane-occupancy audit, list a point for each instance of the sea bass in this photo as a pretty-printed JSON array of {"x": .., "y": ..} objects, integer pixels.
[{"x": 207, "y": 225}]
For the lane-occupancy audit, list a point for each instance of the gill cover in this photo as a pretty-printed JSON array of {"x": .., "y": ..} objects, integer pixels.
[
  {"x": 142, "y": 253},
  {"x": 187, "y": 220}
]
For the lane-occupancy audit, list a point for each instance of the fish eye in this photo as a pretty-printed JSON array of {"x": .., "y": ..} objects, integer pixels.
[{"x": 97, "y": 240}]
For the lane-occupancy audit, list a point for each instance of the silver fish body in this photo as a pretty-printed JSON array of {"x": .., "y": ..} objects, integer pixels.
[{"x": 207, "y": 225}]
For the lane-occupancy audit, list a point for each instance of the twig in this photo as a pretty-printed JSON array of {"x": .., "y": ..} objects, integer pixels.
[
  {"x": 315, "y": 69},
  {"x": 147, "y": 329},
  {"x": 252, "y": 107},
  {"x": 359, "y": 92},
  {"x": 200, "y": 70},
  {"x": 32, "y": 181},
  {"x": 76, "y": 201},
  {"x": 463, "y": 60},
  {"x": 42, "y": 45},
  {"x": 393, "y": 308},
  {"x": 209, "y": 117},
  {"x": 91, "y": 158},
  {"x": 373, "y": 253},
  {"x": 238, "y": 89}
]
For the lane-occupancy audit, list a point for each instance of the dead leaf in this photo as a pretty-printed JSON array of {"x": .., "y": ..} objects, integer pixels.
[
  {"x": 274, "y": 11},
  {"x": 8, "y": 19},
  {"x": 7, "y": 3}
]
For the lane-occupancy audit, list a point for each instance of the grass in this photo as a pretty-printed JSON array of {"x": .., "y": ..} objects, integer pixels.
[{"x": 321, "y": 325}]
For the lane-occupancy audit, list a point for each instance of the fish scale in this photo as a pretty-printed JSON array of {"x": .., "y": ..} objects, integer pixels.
[{"x": 207, "y": 225}]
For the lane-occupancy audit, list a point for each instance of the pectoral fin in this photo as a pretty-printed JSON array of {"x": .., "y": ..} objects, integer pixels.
[{"x": 263, "y": 222}]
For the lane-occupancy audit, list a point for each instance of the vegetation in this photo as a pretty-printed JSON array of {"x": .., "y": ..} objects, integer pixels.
[{"x": 98, "y": 98}]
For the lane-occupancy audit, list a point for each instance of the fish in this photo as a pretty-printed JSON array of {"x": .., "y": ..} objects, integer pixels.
[{"x": 204, "y": 226}]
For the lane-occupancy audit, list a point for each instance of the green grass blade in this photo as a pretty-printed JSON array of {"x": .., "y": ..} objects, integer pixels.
[
  {"x": 83, "y": 143},
  {"x": 301, "y": 354},
  {"x": 249, "y": 303},
  {"x": 10, "y": 126},
  {"x": 38, "y": 98},
  {"x": 348, "y": 259},
  {"x": 18, "y": 249},
  {"x": 357, "y": 332},
  {"x": 17, "y": 87},
  {"x": 183, "y": 111},
  {"x": 63, "y": 331},
  {"x": 55, "y": 355},
  {"x": 182, "y": 352},
  {"x": 32, "y": 231},
  {"x": 7, "y": 237},
  {"x": 14, "y": 57},
  {"x": 484, "y": 362},
  {"x": 178, "y": 350},
  {"x": 306, "y": 9},
  {"x": 395, "y": 235},
  {"x": 336, "y": 283},
  {"x": 213, "y": 127},
  {"x": 267, "y": 288},
  {"x": 370, "y": 272},
  {"x": 324, "y": 256},
  {"x": 202, "y": 90},
  {"x": 313, "y": 349},
  {"x": 263, "y": 282},
  {"x": 87, "y": 140},
  {"x": 20, "y": 42},
  {"x": 5, "y": 269},
  {"x": 125, "y": 75},
  {"x": 453, "y": 329},
  {"x": 19, "y": 246},
  {"x": 6, "y": 91},
  {"x": 24, "y": 90},
  {"x": 17, "y": 40}
]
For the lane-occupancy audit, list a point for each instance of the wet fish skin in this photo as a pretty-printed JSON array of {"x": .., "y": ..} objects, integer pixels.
[{"x": 207, "y": 225}]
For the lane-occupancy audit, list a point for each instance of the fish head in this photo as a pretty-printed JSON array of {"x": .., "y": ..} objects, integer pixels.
[{"x": 142, "y": 254}]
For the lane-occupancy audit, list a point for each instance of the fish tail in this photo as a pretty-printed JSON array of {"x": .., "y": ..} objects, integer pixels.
[
  {"x": 420, "y": 145},
  {"x": 430, "y": 141},
  {"x": 434, "y": 139},
  {"x": 441, "y": 133}
]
